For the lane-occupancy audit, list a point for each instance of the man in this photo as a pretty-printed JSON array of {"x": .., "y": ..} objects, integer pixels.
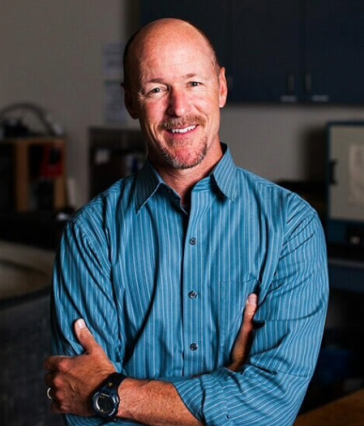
[{"x": 161, "y": 264}]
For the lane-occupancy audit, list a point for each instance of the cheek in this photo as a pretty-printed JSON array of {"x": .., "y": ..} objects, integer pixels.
[
  {"x": 150, "y": 121},
  {"x": 203, "y": 104},
  {"x": 152, "y": 114},
  {"x": 211, "y": 110},
  {"x": 209, "y": 101}
]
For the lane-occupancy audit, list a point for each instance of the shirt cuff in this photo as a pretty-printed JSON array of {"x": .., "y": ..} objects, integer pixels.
[{"x": 205, "y": 398}]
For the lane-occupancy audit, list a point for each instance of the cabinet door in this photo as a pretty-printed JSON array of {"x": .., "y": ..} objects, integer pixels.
[
  {"x": 211, "y": 16},
  {"x": 266, "y": 51},
  {"x": 334, "y": 44}
]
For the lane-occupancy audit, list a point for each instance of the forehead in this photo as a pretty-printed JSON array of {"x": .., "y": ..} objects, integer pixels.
[{"x": 179, "y": 50}]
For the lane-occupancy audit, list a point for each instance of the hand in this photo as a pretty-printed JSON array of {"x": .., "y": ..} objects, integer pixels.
[
  {"x": 73, "y": 380},
  {"x": 244, "y": 340}
]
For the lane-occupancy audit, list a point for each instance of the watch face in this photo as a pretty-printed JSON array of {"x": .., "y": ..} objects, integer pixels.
[
  {"x": 106, "y": 401},
  {"x": 105, "y": 404}
]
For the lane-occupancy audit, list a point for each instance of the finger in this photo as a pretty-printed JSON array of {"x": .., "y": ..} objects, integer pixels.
[
  {"x": 51, "y": 363},
  {"x": 84, "y": 335},
  {"x": 49, "y": 379},
  {"x": 244, "y": 338},
  {"x": 250, "y": 310},
  {"x": 251, "y": 306}
]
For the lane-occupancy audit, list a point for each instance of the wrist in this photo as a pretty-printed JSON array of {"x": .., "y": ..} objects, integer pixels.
[
  {"x": 106, "y": 399},
  {"x": 132, "y": 398}
]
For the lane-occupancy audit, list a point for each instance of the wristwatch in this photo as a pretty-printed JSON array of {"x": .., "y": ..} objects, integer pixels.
[{"x": 106, "y": 399}]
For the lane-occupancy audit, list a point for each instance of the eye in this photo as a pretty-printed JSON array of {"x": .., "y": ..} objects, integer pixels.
[
  {"x": 195, "y": 83},
  {"x": 156, "y": 92}
]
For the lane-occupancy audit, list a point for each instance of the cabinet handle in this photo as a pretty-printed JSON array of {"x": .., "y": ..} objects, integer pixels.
[
  {"x": 332, "y": 167},
  {"x": 290, "y": 83},
  {"x": 308, "y": 82}
]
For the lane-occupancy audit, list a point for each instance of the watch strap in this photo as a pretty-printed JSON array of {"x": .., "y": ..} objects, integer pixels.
[{"x": 113, "y": 381}]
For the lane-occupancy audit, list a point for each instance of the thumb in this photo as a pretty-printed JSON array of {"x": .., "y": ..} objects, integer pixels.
[
  {"x": 251, "y": 306},
  {"x": 84, "y": 335}
]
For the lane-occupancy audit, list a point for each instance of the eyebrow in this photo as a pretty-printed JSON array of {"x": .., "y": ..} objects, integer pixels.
[
  {"x": 161, "y": 80},
  {"x": 190, "y": 75}
]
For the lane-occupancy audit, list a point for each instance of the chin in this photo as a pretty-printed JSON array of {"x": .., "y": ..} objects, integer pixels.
[{"x": 183, "y": 163}]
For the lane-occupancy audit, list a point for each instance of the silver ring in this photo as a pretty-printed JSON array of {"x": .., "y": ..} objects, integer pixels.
[{"x": 49, "y": 393}]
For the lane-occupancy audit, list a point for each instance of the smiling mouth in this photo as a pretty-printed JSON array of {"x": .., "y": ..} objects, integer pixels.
[{"x": 182, "y": 131}]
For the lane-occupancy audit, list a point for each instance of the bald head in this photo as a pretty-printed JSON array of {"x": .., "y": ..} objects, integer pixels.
[{"x": 163, "y": 30}]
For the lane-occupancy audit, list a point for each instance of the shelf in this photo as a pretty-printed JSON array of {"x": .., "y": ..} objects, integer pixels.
[{"x": 32, "y": 174}]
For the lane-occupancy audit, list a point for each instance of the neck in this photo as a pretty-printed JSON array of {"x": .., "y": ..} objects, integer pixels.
[{"x": 183, "y": 180}]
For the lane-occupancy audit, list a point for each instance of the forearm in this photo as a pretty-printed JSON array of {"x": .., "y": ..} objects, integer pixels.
[
  {"x": 147, "y": 402},
  {"x": 153, "y": 403},
  {"x": 157, "y": 403}
]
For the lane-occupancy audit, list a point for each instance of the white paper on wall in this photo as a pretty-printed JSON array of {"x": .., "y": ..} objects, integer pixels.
[
  {"x": 113, "y": 60},
  {"x": 115, "y": 111},
  {"x": 356, "y": 174}
]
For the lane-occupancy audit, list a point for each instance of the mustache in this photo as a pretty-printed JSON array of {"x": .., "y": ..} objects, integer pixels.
[{"x": 188, "y": 120}]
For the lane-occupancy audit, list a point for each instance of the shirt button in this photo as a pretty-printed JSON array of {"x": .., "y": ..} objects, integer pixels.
[
  {"x": 193, "y": 241},
  {"x": 193, "y": 346},
  {"x": 192, "y": 294}
]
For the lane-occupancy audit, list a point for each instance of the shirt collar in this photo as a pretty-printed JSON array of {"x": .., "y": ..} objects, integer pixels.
[
  {"x": 147, "y": 183},
  {"x": 148, "y": 179},
  {"x": 224, "y": 174}
]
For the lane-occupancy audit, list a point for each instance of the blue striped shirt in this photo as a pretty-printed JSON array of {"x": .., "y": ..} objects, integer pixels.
[{"x": 163, "y": 290}]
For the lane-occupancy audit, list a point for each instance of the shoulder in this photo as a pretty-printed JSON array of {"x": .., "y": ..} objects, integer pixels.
[
  {"x": 101, "y": 215},
  {"x": 265, "y": 189},
  {"x": 116, "y": 196},
  {"x": 271, "y": 199}
]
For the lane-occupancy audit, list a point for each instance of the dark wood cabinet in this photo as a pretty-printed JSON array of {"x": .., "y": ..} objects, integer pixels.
[
  {"x": 267, "y": 55},
  {"x": 291, "y": 51},
  {"x": 114, "y": 153},
  {"x": 212, "y": 17},
  {"x": 333, "y": 45}
]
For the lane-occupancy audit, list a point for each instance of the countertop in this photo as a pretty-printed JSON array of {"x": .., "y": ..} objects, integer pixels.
[{"x": 346, "y": 411}]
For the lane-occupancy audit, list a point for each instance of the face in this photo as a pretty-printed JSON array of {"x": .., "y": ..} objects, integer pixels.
[{"x": 177, "y": 92}]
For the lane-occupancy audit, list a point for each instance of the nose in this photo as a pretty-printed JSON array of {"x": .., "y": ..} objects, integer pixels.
[{"x": 177, "y": 103}]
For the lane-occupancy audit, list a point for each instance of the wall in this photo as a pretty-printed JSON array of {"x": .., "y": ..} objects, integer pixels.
[
  {"x": 51, "y": 54},
  {"x": 280, "y": 141}
]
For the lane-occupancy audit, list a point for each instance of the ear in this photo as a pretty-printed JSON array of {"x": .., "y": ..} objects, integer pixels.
[
  {"x": 129, "y": 102},
  {"x": 223, "y": 88}
]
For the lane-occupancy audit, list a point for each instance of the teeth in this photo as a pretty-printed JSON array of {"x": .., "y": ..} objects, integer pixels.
[{"x": 187, "y": 129}]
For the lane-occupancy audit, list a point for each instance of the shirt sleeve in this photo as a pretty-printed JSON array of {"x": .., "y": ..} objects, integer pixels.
[
  {"x": 270, "y": 388},
  {"x": 81, "y": 275}
]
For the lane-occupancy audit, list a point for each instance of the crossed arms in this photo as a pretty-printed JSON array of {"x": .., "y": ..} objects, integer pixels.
[{"x": 73, "y": 380}]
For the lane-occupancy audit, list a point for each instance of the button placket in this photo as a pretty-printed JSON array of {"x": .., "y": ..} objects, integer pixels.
[{"x": 193, "y": 287}]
